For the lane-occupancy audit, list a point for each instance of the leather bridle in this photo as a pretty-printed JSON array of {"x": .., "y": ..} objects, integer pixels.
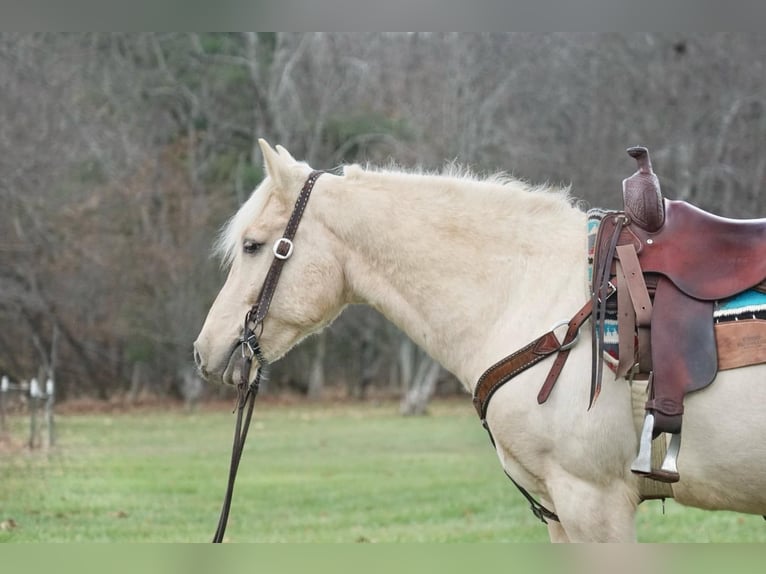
[{"x": 251, "y": 348}]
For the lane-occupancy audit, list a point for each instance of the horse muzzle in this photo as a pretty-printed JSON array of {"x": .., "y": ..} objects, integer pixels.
[
  {"x": 227, "y": 371},
  {"x": 221, "y": 371}
]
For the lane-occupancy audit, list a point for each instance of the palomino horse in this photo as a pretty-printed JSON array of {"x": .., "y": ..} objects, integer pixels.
[{"x": 472, "y": 270}]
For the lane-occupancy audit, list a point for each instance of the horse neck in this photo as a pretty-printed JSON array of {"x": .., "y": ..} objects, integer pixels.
[{"x": 470, "y": 271}]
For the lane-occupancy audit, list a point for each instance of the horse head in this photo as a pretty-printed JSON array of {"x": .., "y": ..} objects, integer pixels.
[{"x": 310, "y": 291}]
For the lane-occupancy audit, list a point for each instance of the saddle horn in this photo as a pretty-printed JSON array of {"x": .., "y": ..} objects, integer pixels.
[
  {"x": 641, "y": 155},
  {"x": 641, "y": 193}
]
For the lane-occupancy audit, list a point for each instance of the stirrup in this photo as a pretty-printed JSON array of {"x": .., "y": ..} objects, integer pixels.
[
  {"x": 668, "y": 472},
  {"x": 642, "y": 465}
]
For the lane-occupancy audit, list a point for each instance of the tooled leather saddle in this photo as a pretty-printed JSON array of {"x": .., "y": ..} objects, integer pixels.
[{"x": 670, "y": 262}]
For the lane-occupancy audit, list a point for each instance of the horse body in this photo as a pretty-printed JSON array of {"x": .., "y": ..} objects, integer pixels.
[{"x": 471, "y": 271}]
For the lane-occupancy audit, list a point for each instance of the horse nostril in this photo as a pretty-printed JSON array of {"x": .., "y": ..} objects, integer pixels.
[{"x": 198, "y": 360}]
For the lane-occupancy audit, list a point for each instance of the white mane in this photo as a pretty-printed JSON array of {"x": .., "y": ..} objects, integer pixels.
[
  {"x": 452, "y": 171},
  {"x": 495, "y": 194}
]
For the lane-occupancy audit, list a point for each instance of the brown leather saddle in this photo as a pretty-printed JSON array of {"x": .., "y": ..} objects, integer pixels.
[{"x": 670, "y": 262}]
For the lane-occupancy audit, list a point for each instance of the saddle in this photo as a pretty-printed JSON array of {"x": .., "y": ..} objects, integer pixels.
[{"x": 670, "y": 262}]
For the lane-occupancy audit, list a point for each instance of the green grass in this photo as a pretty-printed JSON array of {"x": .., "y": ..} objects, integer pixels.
[{"x": 314, "y": 473}]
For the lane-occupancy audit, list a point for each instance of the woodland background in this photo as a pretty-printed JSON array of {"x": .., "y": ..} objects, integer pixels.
[{"x": 121, "y": 155}]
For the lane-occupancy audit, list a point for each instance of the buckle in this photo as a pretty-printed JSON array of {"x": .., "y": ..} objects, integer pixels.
[
  {"x": 611, "y": 289},
  {"x": 247, "y": 345},
  {"x": 570, "y": 344},
  {"x": 278, "y": 243},
  {"x": 251, "y": 349}
]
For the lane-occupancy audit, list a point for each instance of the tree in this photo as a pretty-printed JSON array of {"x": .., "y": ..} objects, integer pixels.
[{"x": 121, "y": 155}]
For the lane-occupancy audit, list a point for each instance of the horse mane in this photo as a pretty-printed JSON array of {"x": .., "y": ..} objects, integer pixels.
[
  {"x": 547, "y": 197},
  {"x": 501, "y": 183}
]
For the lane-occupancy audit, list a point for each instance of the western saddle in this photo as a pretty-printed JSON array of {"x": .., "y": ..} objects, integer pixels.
[{"x": 670, "y": 262}]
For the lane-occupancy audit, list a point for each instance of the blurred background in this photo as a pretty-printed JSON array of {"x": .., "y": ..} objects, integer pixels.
[{"x": 121, "y": 155}]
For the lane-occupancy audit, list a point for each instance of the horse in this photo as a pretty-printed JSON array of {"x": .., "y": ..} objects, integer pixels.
[{"x": 472, "y": 268}]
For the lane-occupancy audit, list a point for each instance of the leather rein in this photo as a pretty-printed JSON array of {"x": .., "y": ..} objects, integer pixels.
[{"x": 251, "y": 349}]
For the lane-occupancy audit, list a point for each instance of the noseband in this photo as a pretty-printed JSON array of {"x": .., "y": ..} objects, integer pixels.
[{"x": 250, "y": 345}]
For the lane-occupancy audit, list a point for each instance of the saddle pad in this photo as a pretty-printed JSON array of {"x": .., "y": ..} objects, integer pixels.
[{"x": 750, "y": 304}]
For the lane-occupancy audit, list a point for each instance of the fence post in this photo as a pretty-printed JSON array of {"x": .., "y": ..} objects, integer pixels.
[
  {"x": 4, "y": 387},
  {"x": 34, "y": 393},
  {"x": 49, "y": 422}
]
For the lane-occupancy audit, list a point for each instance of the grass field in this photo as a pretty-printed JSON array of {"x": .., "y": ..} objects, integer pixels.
[{"x": 310, "y": 473}]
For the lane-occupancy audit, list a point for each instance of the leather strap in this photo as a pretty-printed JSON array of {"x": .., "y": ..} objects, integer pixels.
[
  {"x": 542, "y": 513},
  {"x": 634, "y": 310},
  {"x": 282, "y": 251},
  {"x": 240, "y": 434},
  {"x": 602, "y": 270},
  {"x": 505, "y": 369},
  {"x": 634, "y": 281},
  {"x": 626, "y": 325},
  {"x": 558, "y": 364}
]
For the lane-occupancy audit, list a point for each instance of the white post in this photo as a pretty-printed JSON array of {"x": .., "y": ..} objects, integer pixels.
[
  {"x": 34, "y": 393},
  {"x": 49, "y": 392},
  {"x": 4, "y": 386}
]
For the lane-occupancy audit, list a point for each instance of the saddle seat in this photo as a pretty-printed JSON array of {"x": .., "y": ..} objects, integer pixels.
[{"x": 706, "y": 256}]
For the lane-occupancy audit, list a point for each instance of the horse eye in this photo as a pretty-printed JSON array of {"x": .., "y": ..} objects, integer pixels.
[{"x": 251, "y": 247}]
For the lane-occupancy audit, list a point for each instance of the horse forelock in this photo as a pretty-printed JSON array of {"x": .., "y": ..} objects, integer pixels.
[{"x": 229, "y": 239}]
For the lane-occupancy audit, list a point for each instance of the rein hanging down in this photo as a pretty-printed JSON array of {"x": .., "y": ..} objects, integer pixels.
[{"x": 251, "y": 348}]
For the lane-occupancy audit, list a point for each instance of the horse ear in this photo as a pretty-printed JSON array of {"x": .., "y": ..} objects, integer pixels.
[
  {"x": 272, "y": 162},
  {"x": 284, "y": 171},
  {"x": 285, "y": 154}
]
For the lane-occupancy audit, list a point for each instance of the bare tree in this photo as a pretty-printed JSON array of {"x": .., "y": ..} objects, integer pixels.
[{"x": 121, "y": 155}]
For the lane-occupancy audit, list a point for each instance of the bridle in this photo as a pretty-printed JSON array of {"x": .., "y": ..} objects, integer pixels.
[{"x": 251, "y": 348}]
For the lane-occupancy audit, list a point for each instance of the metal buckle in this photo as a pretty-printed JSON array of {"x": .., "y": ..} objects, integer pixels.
[
  {"x": 571, "y": 343},
  {"x": 610, "y": 290},
  {"x": 247, "y": 344},
  {"x": 251, "y": 349},
  {"x": 278, "y": 244}
]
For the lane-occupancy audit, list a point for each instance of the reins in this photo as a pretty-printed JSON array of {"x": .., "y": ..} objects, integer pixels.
[
  {"x": 251, "y": 349},
  {"x": 246, "y": 396}
]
